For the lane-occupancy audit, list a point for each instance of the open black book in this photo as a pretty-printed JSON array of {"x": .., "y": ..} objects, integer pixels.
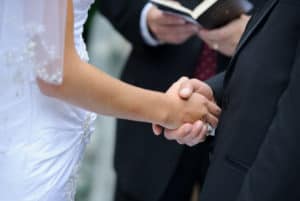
[{"x": 209, "y": 13}]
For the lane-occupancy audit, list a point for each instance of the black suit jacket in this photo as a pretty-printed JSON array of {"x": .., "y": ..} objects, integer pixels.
[
  {"x": 257, "y": 156},
  {"x": 145, "y": 163}
]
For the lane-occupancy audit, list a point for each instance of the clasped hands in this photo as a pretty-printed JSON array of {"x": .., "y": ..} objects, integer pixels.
[{"x": 195, "y": 110}]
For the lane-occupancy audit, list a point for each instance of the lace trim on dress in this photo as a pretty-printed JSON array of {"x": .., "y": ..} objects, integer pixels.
[
  {"x": 87, "y": 130},
  {"x": 29, "y": 55}
]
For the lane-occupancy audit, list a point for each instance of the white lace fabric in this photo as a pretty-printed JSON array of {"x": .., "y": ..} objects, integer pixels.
[{"x": 41, "y": 25}]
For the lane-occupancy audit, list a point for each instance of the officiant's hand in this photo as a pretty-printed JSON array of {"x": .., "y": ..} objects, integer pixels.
[
  {"x": 169, "y": 28},
  {"x": 226, "y": 38},
  {"x": 189, "y": 134}
]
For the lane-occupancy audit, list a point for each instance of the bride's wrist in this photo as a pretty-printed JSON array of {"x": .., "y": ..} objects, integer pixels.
[{"x": 170, "y": 113}]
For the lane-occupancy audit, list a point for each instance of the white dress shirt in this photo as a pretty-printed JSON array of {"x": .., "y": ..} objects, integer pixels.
[{"x": 145, "y": 32}]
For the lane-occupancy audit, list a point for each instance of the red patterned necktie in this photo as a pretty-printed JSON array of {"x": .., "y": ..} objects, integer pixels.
[{"x": 207, "y": 63}]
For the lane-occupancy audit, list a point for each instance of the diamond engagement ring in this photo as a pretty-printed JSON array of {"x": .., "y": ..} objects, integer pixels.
[{"x": 210, "y": 130}]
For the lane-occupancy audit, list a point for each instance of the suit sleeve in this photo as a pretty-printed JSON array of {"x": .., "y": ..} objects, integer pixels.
[
  {"x": 274, "y": 176},
  {"x": 125, "y": 17},
  {"x": 216, "y": 83}
]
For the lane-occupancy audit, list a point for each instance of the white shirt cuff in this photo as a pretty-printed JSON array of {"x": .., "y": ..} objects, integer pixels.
[{"x": 146, "y": 35}]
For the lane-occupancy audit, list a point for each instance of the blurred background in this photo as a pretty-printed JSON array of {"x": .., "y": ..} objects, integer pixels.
[{"x": 108, "y": 51}]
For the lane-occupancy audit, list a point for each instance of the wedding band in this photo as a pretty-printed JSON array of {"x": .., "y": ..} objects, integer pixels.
[{"x": 215, "y": 46}]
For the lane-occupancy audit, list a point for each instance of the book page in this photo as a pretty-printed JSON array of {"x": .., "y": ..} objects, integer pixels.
[
  {"x": 201, "y": 8},
  {"x": 174, "y": 5}
]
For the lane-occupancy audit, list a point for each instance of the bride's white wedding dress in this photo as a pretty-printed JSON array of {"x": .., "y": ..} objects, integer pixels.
[{"x": 42, "y": 139}]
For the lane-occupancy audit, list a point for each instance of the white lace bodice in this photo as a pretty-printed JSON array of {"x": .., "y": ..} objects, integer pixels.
[{"x": 42, "y": 139}]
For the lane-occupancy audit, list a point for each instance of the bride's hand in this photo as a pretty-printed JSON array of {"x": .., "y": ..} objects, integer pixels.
[{"x": 196, "y": 107}]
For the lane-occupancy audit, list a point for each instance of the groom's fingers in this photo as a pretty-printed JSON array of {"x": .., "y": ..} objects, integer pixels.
[
  {"x": 188, "y": 87},
  {"x": 214, "y": 109},
  {"x": 212, "y": 120},
  {"x": 178, "y": 133},
  {"x": 201, "y": 136},
  {"x": 203, "y": 88},
  {"x": 157, "y": 130},
  {"x": 189, "y": 139}
]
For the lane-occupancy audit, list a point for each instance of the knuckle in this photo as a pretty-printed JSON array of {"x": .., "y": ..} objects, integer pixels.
[
  {"x": 190, "y": 144},
  {"x": 205, "y": 102},
  {"x": 204, "y": 108},
  {"x": 168, "y": 136},
  {"x": 194, "y": 80},
  {"x": 201, "y": 139},
  {"x": 204, "y": 117},
  {"x": 184, "y": 78},
  {"x": 182, "y": 135}
]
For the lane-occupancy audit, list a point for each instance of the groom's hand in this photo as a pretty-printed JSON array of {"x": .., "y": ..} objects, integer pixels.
[{"x": 190, "y": 134}]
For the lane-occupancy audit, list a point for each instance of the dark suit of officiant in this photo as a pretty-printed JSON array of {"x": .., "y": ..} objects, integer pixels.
[
  {"x": 150, "y": 168},
  {"x": 257, "y": 155}
]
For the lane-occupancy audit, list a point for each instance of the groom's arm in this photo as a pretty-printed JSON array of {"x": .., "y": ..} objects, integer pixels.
[
  {"x": 216, "y": 83},
  {"x": 274, "y": 176}
]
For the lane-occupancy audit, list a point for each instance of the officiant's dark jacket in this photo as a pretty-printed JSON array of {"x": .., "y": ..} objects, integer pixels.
[
  {"x": 144, "y": 163},
  {"x": 257, "y": 155}
]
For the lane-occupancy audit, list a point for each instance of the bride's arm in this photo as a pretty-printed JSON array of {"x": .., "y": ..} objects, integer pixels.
[{"x": 88, "y": 87}]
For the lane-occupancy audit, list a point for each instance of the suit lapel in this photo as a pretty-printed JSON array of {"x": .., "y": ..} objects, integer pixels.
[
  {"x": 257, "y": 20},
  {"x": 254, "y": 23}
]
